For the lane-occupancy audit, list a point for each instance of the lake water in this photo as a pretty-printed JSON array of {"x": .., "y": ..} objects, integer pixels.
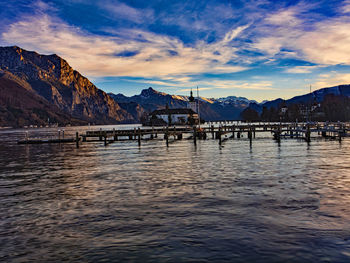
[{"x": 259, "y": 202}]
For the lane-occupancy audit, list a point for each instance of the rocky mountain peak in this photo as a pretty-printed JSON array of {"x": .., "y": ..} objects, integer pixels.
[
  {"x": 54, "y": 79},
  {"x": 148, "y": 92},
  {"x": 151, "y": 92}
]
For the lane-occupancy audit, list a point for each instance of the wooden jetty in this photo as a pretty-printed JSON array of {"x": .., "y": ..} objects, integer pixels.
[
  {"x": 221, "y": 131},
  {"x": 40, "y": 141},
  {"x": 59, "y": 139}
]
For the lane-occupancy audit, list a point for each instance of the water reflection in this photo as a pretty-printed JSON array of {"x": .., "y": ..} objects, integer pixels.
[{"x": 243, "y": 202}]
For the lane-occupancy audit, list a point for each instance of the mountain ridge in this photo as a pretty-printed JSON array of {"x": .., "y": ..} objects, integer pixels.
[
  {"x": 210, "y": 109},
  {"x": 52, "y": 78},
  {"x": 36, "y": 89}
]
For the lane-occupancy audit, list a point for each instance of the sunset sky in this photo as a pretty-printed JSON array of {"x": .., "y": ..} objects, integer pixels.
[{"x": 256, "y": 49}]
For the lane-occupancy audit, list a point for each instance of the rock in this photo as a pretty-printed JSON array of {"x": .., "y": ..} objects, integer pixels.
[{"x": 51, "y": 78}]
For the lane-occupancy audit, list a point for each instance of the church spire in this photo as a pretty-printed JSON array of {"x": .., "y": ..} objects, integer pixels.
[{"x": 191, "y": 98}]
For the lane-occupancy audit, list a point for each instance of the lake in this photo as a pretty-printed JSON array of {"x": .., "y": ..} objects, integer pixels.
[{"x": 259, "y": 202}]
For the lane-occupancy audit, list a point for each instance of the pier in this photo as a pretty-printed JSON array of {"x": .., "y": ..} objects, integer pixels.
[{"x": 220, "y": 131}]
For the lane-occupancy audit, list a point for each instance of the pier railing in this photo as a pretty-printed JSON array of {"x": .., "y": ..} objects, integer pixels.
[{"x": 220, "y": 131}]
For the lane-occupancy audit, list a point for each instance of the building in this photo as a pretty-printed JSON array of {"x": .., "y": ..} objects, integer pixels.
[
  {"x": 180, "y": 116},
  {"x": 173, "y": 117}
]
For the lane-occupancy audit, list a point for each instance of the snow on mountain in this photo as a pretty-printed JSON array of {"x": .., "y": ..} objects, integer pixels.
[{"x": 233, "y": 100}]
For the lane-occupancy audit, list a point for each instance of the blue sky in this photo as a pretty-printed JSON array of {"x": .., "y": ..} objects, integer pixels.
[{"x": 257, "y": 49}]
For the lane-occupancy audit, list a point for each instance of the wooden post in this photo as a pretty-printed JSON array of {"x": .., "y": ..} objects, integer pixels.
[
  {"x": 105, "y": 139},
  {"x": 212, "y": 131},
  {"x": 233, "y": 131},
  {"x": 139, "y": 136},
  {"x": 166, "y": 135},
  {"x": 277, "y": 135},
  {"x": 115, "y": 137},
  {"x": 219, "y": 134},
  {"x": 59, "y": 134},
  {"x": 308, "y": 133},
  {"x": 77, "y": 139},
  {"x": 194, "y": 135}
]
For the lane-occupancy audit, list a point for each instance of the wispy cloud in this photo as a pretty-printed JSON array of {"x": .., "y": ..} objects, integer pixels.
[
  {"x": 301, "y": 69},
  {"x": 330, "y": 80},
  {"x": 345, "y": 8},
  {"x": 96, "y": 55},
  {"x": 187, "y": 90},
  {"x": 230, "y": 85},
  {"x": 322, "y": 42},
  {"x": 225, "y": 47},
  {"x": 119, "y": 10}
]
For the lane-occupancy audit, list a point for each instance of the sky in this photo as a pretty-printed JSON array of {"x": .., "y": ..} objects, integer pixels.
[{"x": 259, "y": 49}]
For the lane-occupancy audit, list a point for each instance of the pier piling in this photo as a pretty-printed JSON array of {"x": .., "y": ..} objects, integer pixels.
[
  {"x": 139, "y": 136},
  {"x": 77, "y": 139},
  {"x": 194, "y": 135},
  {"x": 166, "y": 135}
]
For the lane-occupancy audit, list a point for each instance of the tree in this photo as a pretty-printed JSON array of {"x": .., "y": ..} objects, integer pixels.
[
  {"x": 265, "y": 114},
  {"x": 250, "y": 114}
]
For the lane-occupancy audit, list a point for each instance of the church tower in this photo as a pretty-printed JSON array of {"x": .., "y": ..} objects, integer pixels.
[{"x": 192, "y": 104}]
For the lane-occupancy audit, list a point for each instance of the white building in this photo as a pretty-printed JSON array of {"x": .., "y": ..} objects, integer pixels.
[{"x": 174, "y": 116}]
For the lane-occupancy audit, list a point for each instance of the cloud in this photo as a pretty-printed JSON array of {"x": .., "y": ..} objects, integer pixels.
[
  {"x": 328, "y": 44},
  {"x": 284, "y": 17},
  {"x": 330, "y": 80},
  {"x": 263, "y": 85},
  {"x": 233, "y": 34},
  {"x": 345, "y": 8},
  {"x": 326, "y": 41},
  {"x": 230, "y": 84},
  {"x": 186, "y": 90},
  {"x": 118, "y": 10},
  {"x": 95, "y": 55},
  {"x": 301, "y": 69}
]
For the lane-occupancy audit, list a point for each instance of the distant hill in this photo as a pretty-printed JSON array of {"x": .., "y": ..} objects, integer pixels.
[
  {"x": 228, "y": 108},
  {"x": 316, "y": 96},
  {"x": 29, "y": 80},
  {"x": 37, "y": 89},
  {"x": 210, "y": 109}
]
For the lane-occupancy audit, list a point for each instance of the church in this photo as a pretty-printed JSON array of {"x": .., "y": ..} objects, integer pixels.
[{"x": 178, "y": 116}]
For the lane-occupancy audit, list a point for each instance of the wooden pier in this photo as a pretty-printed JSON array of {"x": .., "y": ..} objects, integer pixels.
[{"x": 220, "y": 131}]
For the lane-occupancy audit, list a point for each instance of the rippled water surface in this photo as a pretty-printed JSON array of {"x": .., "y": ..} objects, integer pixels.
[{"x": 259, "y": 202}]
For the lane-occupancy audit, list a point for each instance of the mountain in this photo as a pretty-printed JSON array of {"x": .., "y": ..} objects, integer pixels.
[
  {"x": 37, "y": 89},
  {"x": 233, "y": 100},
  {"x": 67, "y": 96},
  {"x": 316, "y": 96},
  {"x": 228, "y": 108},
  {"x": 20, "y": 106},
  {"x": 210, "y": 109}
]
